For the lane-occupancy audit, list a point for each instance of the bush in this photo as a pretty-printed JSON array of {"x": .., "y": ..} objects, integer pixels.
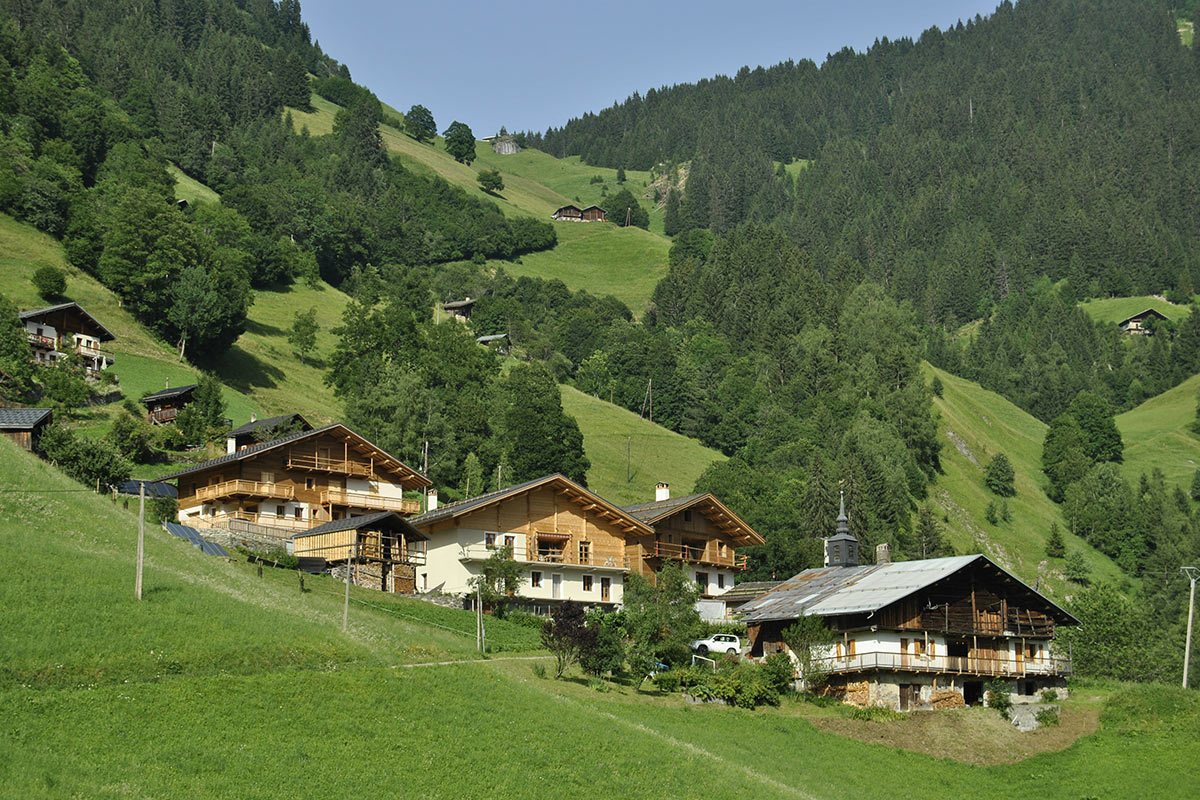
[
  {"x": 876, "y": 714},
  {"x": 92, "y": 462},
  {"x": 1047, "y": 717},
  {"x": 51, "y": 282},
  {"x": 744, "y": 686},
  {"x": 539, "y": 670},
  {"x": 525, "y": 619},
  {"x": 779, "y": 672},
  {"x": 998, "y": 697},
  {"x": 1049, "y": 696}
]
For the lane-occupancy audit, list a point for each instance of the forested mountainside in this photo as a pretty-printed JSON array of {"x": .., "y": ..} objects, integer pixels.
[
  {"x": 1056, "y": 137},
  {"x": 97, "y": 98}
]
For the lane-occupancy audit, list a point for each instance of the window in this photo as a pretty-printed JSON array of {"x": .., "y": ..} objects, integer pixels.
[
  {"x": 535, "y": 580},
  {"x": 489, "y": 541},
  {"x": 919, "y": 648},
  {"x": 309, "y": 483},
  {"x": 268, "y": 476},
  {"x": 585, "y": 552},
  {"x": 587, "y": 583},
  {"x": 702, "y": 582},
  {"x": 687, "y": 516},
  {"x": 510, "y": 542},
  {"x": 721, "y": 581},
  {"x": 299, "y": 513},
  {"x": 280, "y": 511}
]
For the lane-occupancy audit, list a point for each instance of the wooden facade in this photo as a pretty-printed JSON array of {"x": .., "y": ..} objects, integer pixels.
[
  {"x": 573, "y": 213},
  {"x": 593, "y": 214},
  {"x": 56, "y": 332},
  {"x": 164, "y": 406},
  {"x": 299, "y": 482},
  {"x": 1142, "y": 323},
  {"x": 24, "y": 425}
]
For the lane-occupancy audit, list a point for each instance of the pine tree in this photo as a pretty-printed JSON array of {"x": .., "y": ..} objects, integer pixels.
[
  {"x": 1055, "y": 546},
  {"x": 999, "y": 476},
  {"x": 928, "y": 535},
  {"x": 1196, "y": 486},
  {"x": 472, "y": 476}
]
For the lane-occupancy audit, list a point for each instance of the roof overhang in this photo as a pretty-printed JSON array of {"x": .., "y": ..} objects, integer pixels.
[
  {"x": 720, "y": 516},
  {"x": 48, "y": 313}
]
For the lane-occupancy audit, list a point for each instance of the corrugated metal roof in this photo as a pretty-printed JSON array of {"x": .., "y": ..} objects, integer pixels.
[
  {"x": 491, "y": 337},
  {"x": 162, "y": 394},
  {"x": 748, "y": 591},
  {"x": 360, "y": 522},
  {"x": 832, "y": 591},
  {"x": 22, "y": 419}
]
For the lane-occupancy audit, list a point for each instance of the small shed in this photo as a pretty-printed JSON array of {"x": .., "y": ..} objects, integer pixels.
[
  {"x": 459, "y": 309},
  {"x": 1139, "y": 324},
  {"x": 496, "y": 340},
  {"x": 594, "y": 214},
  {"x": 164, "y": 405},
  {"x": 24, "y": 425},
  {"x": 384, "y": 547}
]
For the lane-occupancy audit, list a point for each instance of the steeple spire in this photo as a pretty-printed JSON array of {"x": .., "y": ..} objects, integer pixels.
[
  {"x": 843, "y": 522},
  {"x": 841, "y": 549}
]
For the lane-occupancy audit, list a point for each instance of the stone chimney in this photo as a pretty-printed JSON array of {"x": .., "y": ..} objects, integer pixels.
[
  {"x": 254, "y": 417},
  {"x": 662, "y": 491},
  {"x": 168, "y": 386},
  {"x": 431, "y": 503},
  {"x": 883, "y": 553},
  {"x": 841, "y": 549}
]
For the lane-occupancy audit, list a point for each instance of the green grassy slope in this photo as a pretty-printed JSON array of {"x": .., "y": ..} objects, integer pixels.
[
  {"x": 1156, "y": 435},
  {"x": 603, "y": 259},
  {"x": 975, "y": 425},
  {"x": 655, "y": 453},
  {"x": 190, "y": 189},
  {"x": 1115, "y": 309},
  {"x": 221, "y": 684}
]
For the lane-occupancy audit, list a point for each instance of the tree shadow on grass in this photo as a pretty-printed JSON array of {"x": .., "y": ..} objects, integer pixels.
[
  {"x": 262, "y": 329},
  {"x": 245, "y": 372}
]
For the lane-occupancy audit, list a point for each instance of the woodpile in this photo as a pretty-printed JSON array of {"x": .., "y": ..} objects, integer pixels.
[{"x": 947, "y": 699}]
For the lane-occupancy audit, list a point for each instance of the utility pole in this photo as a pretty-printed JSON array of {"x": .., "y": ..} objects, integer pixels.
[
  {"x": 425, "y": 468},
  {"x": 346, "y": 603},
  {"x": 141, "y": 548},
  {"x": 628, "y": 460},
  {"x": 1193, "y": 573},
  {"x": 479, "y": 615}
]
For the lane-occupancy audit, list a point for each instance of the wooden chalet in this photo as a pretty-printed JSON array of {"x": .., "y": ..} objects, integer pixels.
[
  {"x": 573, "y": 213},
  {"x": 916, "y": 633},
  {"x": 459, "y": 309},
  {"x": 697, "y": 530},
  {"x": 25, "y": 425},
  {"x": 572, "y": 544},
  {"x": 164, "y": 405},
  {"x": 1142, "y": 323},
  {"x": 381, "y": 550},
  {"x": 57, "y": 332},
  {"x": 297, "y": 482}
]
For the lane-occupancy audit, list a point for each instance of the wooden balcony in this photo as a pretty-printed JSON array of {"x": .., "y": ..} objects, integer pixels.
[
  {"x": 567, "y": 556},
  {"x": 162, "y": 415},
  {"x": 315, "y": 463},
  {"x": 1005, "y": 666},
  {"x": 696, "y": 555},
  {"x": 44, "y": 342},
  {"x": 262, "y": 524},
  {"x": 374, "y": 502},
  {"x": 244, "y": 488}
]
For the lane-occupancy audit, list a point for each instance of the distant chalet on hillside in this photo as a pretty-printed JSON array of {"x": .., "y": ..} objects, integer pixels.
[
  {"x": 57, "y": 331},
  {"x": 1137, "y": 323},
  {"x": 459, "y": 309},
  {"x": 24, "y": 425},
  {"x": 573, "y": 213},
  {"x": 164, "y": 405}
]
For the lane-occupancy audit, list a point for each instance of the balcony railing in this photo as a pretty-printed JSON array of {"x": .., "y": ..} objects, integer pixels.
[
  {"x": 568, "y": 556},
  {"x": 238, "y": 520},
  {"x": 37, "y": 340},
  {"x": 697, "y": 555},
  {"x": 238, "y": 487},
  {"x": 322, "y": 464},
  {"x": 971, "y": 665},
  {"x": 163, "y": 415},
  {"x": 341, "y": 497}
]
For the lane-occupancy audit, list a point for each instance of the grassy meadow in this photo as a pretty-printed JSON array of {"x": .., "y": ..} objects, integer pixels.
[
  {"x": 1115, "y": 309},
  {"x": 975, "y": 425},
  {"x": 655, "y": 453},
  {"x": 190, "y": 189},
  {"x": 1156, "y": 435},
  {"x": 220, "y": 683}
]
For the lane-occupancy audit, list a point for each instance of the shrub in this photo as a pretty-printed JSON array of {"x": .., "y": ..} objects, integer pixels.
[
  {"x": 92, "y": 462},
  {"x": 779, "y": 672},
  {"x": 51, "y": 282},
  {"x": 282, "y": 558},
  {"x": 1047, "y": 717},
  {"x": 744, "y": 686},
  {"x": 876, "y": 714},
  {"x": 1049, "y": 696},
  {"x": 525, "y": 619},
  {"x": 999, "y": 476},
  {"x": 668, "y": 681},
  {"x": 539, "y": 671},
  {"x": 998, "y": 697}
]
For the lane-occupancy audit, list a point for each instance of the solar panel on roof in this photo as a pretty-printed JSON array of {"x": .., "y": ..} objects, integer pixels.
[{"x": 193, "y": 536}]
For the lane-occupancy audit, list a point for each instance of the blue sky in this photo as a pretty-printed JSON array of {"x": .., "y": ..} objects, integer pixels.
[{"x": 528, "y": 65}]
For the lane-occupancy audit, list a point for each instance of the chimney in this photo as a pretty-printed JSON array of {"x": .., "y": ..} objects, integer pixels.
[
  {"x": 254, "y": 417},
  {"x": 662, "y": 491},
  {"x": 431, "y": 500},
  {"x": 168, "y": 386},
  {"x": 841, "y": 549},
  {"x": 883, "y": 553}
]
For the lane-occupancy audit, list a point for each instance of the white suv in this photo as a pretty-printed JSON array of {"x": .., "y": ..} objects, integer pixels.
[{"x": 718, "y": 643}]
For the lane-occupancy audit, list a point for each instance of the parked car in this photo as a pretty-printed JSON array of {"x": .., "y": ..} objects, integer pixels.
[{"x": 718, "y": 643}]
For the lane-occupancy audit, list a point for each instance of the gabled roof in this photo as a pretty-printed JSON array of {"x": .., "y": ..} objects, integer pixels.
[
  {"x": 22, "y": 419},
  {"x": 104, "y": 334},
  {"x": 1149, "y": 312},
  {"x": 749, "y": 590},
  {"x": 389, "y": 519},
  {"x": 833, "y": 591},
  {"x": 707, "y": 504},
  {"x": 458, "y": 304},
  {"x": 384, "y": 459},
  {"x": 565, "y": 208},
  {"x": 167, "y": 394},
  {"x": 573, "y": 491},
  {"x": 491, "y": 337},
  {"x": 270, "y": 422},
  {"x": 598, "y": 208}
]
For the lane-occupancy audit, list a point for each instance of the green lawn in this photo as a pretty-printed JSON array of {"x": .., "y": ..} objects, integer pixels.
[
  {"x": 190, "y": 189},
  {"x": 975, "y": 425},
  {"x": 1156, "y": 435},
  {"x": 223, "y": 684},
  {"x": 1115, "y": 309},
  {"x": 655, "y": 453}
]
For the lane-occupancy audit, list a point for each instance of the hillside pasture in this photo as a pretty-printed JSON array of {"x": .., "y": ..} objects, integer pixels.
[
  {"x": 190, "y": 189},
  {"x": 655, "y": 453},
  {"x": 1156, "y": 435},
  {"x": 1115, "y": 309}
]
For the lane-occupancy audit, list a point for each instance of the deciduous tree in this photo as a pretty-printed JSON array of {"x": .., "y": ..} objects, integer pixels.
[
  {"x": 419, "y": 124},
  {"x": 460, "y": 142}
]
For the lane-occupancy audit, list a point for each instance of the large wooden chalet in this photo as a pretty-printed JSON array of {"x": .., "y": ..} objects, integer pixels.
[
  {"x": 1142, "y": 323},
  {"x": 297, "y": 482},
  {"x": 916, "y": 633},
  {"x": 57, "y": 332}
]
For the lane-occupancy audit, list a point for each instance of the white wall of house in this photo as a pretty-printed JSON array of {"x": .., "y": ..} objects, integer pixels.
[
  {"x": 267, "y": 510},
  {"x": 447, "y": 571},
  {"x": 718, "y": 581},
  {"x": 41, "y": 329}
]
